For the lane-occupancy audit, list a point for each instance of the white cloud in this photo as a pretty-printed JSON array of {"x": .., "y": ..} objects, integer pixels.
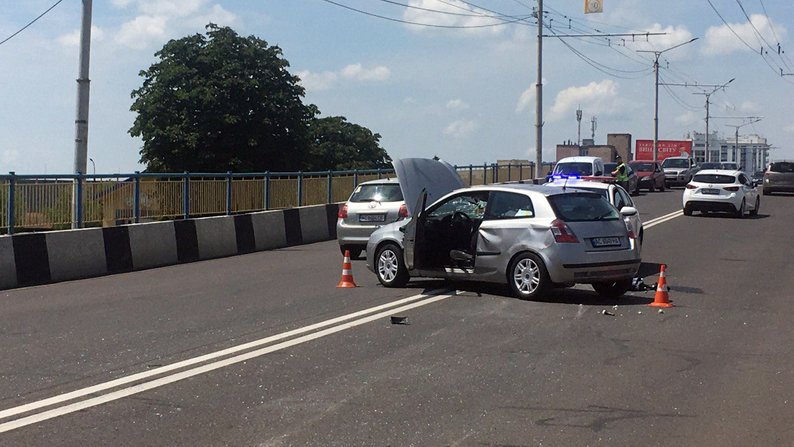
[
  {"x": 595, "y": 97},
  {"x": 73, "y": 39},
  {"x": 354, "y": 72},
  {"x": 159, "y": 20},
  {"x": 723, "y": 39},
  {"x": 750, "y": 107},
  {"x": 460, "y": 128},
  {"x": 359, "y": 73},
  {"x": 673, "y": 35},
  {"x": 457, "y": 104},
  {"x": 142, "y": 31},
  {"x": 527, "y": 97},
  {"x": 451, "y": 13}
]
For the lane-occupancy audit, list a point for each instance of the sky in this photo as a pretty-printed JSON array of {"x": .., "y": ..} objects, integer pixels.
[{"x": 450, "y": 78}]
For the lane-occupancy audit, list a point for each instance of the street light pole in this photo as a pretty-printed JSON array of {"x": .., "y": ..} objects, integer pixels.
[
  {"x": 736, "y": 127},
  {"x": 81, "y": 121},
  {"x": 539, "y": 98},
  {"x": 707, "y": 155},
  {"x": 656, "y": 93}
]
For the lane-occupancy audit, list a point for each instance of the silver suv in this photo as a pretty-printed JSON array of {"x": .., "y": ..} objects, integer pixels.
[
  {"x": 371, "y": 205},
  {"x": 678, "y": 170}
]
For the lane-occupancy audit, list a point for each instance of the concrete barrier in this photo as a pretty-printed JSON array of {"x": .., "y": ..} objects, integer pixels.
[
  {"x": 75, "y": 254},
  {"x": 39, "y": 258}
]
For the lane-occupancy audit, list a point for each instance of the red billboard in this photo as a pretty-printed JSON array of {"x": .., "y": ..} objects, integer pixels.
[{"x": 665, "y": 148}]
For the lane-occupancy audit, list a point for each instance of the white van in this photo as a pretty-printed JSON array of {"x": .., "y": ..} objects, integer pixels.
[{"x": 579, "y": 166}]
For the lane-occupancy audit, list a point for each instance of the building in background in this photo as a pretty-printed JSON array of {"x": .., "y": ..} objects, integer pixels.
[{"x": 751, "y": 153}]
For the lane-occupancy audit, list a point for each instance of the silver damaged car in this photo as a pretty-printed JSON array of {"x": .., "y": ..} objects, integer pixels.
[{"x": 531, "y": 237}]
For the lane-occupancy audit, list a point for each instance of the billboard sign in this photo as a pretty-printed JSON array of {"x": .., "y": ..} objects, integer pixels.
[{"x": 665, "y": 148}]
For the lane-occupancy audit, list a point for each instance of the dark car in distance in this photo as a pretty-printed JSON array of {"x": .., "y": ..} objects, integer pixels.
[{"x": 779, "y": 177}]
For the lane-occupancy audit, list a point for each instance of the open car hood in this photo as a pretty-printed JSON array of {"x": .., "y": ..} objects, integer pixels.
[{"x": 437, "y": 177}]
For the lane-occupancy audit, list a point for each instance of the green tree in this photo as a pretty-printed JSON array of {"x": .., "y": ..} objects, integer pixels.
[
  {"x": 339, "y": 145},
  {"x": 219, "y": 102}
]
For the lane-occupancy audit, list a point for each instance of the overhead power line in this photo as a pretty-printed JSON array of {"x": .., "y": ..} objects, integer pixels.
[{"x": 31, "y": 22}]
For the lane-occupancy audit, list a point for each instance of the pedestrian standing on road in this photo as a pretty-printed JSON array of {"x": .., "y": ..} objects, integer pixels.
[{"x": 620, "y": 173}]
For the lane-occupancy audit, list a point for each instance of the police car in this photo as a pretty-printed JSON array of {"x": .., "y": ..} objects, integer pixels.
[{"x": 613, "y": 192}]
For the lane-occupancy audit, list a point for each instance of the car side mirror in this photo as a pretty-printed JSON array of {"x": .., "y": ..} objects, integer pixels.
[
  {"x": 628, "y": 211},
  {"x": 598, "y": 173}
]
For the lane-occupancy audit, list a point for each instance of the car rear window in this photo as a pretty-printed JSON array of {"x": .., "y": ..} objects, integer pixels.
[
  {"x": 714, "y": 178},
  {"x": 781, "y": 167},
  {"x": 675, "y": 163},
  {"x": 642, "y": 167},
  {"x": 574, "y": 169},
  {"x": 582, "y": 207},
  {"x": 378, "y": 193}
]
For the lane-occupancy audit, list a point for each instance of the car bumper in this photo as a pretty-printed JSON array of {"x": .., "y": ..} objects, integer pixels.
[
  {"x": 597, "y": 267},
  {"x": 707, "y": 202},
  {"x": 681, "y": 179},
  {"x": 348, "y": 234}
]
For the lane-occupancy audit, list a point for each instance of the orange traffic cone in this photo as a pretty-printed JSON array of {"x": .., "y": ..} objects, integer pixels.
[
  {"x": 662, "y": 298},
  {"x": 347, "y": 272}
]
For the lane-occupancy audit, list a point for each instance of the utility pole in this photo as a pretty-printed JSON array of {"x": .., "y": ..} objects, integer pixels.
[
  {"x": 578, "y": 127},
  {"x": 656, "y": 93},
  {"x": 593, "y": 125},
  {"x": 708, "y": 96},
  {"x": 539, "y": 98},
  {"x": 754, "y": 119},
  {"x": 81, "y": 122},
  {"x": 539, "y": 83}
]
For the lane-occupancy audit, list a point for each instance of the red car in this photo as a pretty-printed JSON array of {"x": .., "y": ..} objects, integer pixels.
[{"x": 650, "y": 174}]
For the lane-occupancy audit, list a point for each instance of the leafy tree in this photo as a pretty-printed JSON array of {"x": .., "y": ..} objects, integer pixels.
[
  {"x": 219, "y": 102},
  {"x": 339, "y": 145}
]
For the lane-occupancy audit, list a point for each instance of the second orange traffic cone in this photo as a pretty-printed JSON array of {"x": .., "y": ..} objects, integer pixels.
[
  {"x": 662, "y": 297},
  {"x": 347, "y": 273}
]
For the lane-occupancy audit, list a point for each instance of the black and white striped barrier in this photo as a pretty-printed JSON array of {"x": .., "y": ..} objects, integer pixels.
[{"x": 28, "y": 259}]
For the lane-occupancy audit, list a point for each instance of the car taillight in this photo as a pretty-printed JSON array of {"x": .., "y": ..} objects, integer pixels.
[
  {"x": 403, "y": 213},
  {"x": 562, "y": 233},
  {"x": 342, "y": 214},
  {"x": 627, "y": 221},
  {"x": 690, "y": 186},
  {"x": 732, "y": 188}
]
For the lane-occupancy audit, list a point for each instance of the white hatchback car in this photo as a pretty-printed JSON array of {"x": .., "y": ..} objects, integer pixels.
[{"x": 721, "y": 190}]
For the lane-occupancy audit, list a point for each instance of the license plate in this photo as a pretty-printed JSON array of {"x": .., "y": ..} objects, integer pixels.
[
  {"x": 709, "y": 191},
  {"x": 372, "y": 218},
  {"x": 606, "y": 241}
]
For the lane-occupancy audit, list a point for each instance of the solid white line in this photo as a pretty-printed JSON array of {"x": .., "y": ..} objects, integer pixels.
[
  {"x": 663, "y": 219},
  {"x": 211, "y": 356},
  {"x": 139, "y": 388}
]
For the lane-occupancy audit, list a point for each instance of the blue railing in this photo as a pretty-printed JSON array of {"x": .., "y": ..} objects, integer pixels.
[{"x": 33, "y": 202}]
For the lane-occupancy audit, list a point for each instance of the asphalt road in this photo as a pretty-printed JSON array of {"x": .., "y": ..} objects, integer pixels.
[{"x": 264, "y": 350}]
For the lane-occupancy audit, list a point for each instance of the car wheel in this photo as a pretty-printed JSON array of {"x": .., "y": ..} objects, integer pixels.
[
  {"x": 612, "y": 289},
  {"x": 663, "y": 187},
  {"x": 754, "y": 212},
  {"x": 687, "y": 211},
  {"x": 527, "y": 276},
  {"x": 741, "y": 210},
  {"x": 390, "y": 267},
  {"x": 355, "y": 252},
  {"x": 766, "y": 192},
  {"x": 652, "y": 188}
]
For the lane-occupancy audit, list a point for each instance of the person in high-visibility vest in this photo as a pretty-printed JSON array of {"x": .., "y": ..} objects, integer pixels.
[{"x": 621, "y": 177}]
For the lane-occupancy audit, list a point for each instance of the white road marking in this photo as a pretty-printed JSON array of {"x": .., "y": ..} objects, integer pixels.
[
  {"x": 662, "y": 219},
  {"x": 420, "y": 300}
]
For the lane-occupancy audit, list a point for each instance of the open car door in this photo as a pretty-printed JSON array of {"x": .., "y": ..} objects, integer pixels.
[{"x": 422, "y": 181}]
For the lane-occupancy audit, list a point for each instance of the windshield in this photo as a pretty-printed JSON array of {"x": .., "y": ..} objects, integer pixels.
[
  {"x": 782, "y": 167},
  {"x": 604, "y": 192},
  {"x": 732, "y": 166},
  {"x": 642, "y": 166},
  {"x": 710, "y": 166},
  {"x": 675, "y": 163},
  {"x": 714, "y": 178},
  {"x": 574, "y": 169},
  {"x": 582, "y": 207},
  {"x": 379, "y": 193}
]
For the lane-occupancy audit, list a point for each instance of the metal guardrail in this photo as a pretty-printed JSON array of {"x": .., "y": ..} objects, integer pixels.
[{"x": 33, "y": 202}]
